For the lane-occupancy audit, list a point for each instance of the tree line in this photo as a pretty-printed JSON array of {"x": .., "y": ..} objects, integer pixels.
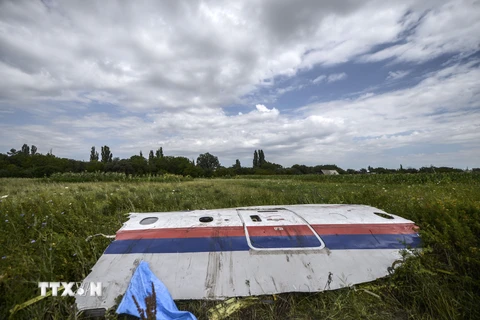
[{"x": 27, "y": 162}]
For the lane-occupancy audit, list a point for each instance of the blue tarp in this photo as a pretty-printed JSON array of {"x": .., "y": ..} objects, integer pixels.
[{"x": 141, "y": 286}]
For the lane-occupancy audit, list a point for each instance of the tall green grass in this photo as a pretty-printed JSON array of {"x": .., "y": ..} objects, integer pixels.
[
  {"x": 113, "y": 177},
  {"x": 44, "y": 225},
  {"x": 392, "y": 178}
]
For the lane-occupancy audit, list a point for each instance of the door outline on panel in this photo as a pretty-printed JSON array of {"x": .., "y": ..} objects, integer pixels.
[{"x": 257, "y": 213}]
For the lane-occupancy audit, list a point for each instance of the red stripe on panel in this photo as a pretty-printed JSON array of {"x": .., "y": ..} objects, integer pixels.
[
  {"x": 196, "y": 232},
  {"x": 279, "y": 231},
  {"x": 267, "y": 231},
  {"x": 387, "y": 228}
]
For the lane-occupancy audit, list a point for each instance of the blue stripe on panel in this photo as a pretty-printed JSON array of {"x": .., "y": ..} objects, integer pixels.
[
  {"x": 371, "y": 241},
  {"x": 285, "y": 242},
  {"x": 174, "y": 245},
  {"x": 333, "y": 242}
]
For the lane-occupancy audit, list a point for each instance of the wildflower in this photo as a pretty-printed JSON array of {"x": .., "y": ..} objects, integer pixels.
[
  {"x": 74, "y": 254},
  {"x": 44, "y": 224},
  {"x": 33, "y": 241},
  {"x": 6, "y": 220},
  {"x": 22, "y": 215},
  {"x": 4, "y": 257},
  {"x": 3, "y": 197},
  {"x": 66, "y": 187},
  {"x": 62, "y": 212}
]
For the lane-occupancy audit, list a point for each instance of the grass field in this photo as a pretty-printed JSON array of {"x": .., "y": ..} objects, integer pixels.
[{"x": 44, "y": 224}]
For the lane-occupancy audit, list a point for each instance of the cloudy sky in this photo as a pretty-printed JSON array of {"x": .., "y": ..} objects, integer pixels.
[{"x": 354, "y": 83}]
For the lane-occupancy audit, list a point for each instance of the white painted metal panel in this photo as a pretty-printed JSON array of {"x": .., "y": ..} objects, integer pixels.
[{"x": 214, "y": 260}]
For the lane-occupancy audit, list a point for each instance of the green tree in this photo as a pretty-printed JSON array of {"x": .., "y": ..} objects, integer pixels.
[
  {"x": 151, "y": 156},
  {"x": 152, "y": 168},
  {"x": 237, "y": 164},
  {"x": 159, "y": 153},
  {"x": 25, "y": 149},
  {"x": 106, "y": 154},
  {"x": 302, "y": 168},
  {"x": 139, "y": 164},
  {"x": 33, "y": 150},
  {"x": 261, "y": 158},
  {"x": 94, "y": 166},
  {"x": 93, "y": 154},
  {"x": 255, "y": 159},
  {"x": 209, "y": 162},
  {"x": 177, "y": 165}
]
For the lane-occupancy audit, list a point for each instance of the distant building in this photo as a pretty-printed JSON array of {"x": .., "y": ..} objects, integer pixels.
[{"x": 329, "y": 172}]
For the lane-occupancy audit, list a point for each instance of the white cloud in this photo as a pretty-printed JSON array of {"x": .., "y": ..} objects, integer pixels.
[
  {"x": 450, "y": 27},
  {"x": 337, "y": 77},
  {"x": 441, "y": 109},
  {"x": 319, "y": 79},
  {"x": 395, "y": 75},
  {"x": 153, "y": 54},
  {"x": 167, "y": 70},
  {"x": 281, "y": 91},
  {"x": 194, "y": 131},
  {"x": 262, "y": 109},
  {"x": 330, "y": 78}
]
